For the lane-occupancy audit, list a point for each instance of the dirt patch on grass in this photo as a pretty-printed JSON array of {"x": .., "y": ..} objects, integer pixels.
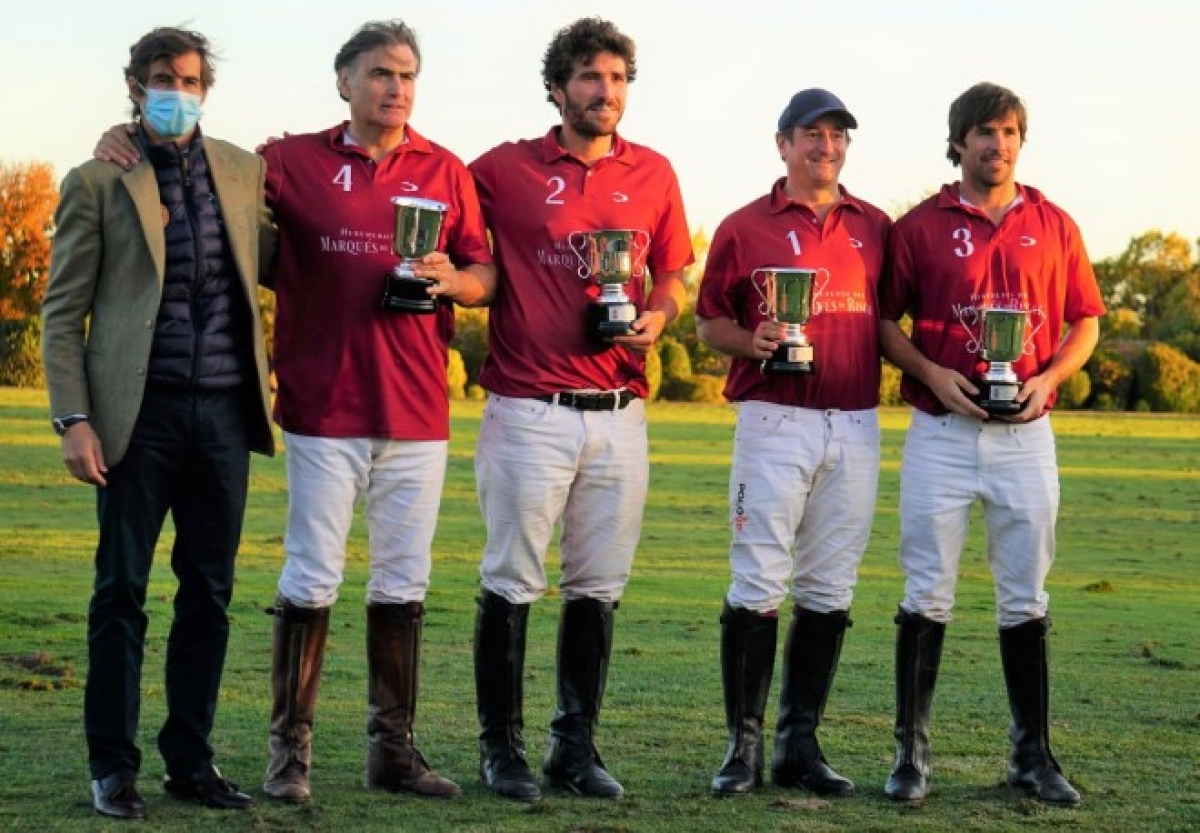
[{"x": 38, "y": 671}]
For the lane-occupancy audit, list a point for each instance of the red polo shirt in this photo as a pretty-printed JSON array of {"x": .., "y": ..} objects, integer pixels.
[
  {"x": 850, "y": 247},
  {"x": 535, "y": 196},
  {"x": 948, "y": 261},
  {"x": 346, "y": 367}
]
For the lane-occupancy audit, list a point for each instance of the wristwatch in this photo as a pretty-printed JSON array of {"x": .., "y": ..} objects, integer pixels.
[{"x": 62, "y": 423}]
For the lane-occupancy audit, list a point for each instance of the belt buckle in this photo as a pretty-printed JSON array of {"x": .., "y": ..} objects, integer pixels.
[
  {"x": 609, "y": 400},
  {"x": 594, "y": 401}
]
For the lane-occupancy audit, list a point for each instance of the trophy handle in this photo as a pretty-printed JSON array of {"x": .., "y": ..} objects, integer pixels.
[
  {"x": 820, "y": 282},
  {"x": 581, "y": 248},
  {"x": 641, "y": 248},
  {"x": 1037, "y": 320},
  {"x": 970, "y": 318},
  {"x": 765, "y": 292}
]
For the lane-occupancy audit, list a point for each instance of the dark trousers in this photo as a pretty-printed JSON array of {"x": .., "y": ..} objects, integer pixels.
[{"x": 189, "y": 456}]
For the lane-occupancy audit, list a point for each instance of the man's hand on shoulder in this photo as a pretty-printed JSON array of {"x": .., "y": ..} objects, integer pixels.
[
  {"x": 117, "y": 146},
  {"x": 270, "y": 140}
]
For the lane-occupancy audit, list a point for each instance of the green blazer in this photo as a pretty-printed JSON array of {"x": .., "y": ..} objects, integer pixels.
[{"x": 106, "y": 280}]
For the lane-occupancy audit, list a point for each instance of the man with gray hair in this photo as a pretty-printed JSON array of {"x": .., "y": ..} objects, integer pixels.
[
  {"x": 364, "y": 405},
  {"x": 362, "y": 396}
]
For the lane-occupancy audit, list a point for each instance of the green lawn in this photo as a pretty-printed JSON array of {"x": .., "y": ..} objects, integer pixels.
[{"x": 1126, "y": 650}]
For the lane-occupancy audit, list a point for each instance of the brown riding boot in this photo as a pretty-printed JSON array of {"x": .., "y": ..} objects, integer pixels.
[
  {"x": 394, "y": 764},
  {"x": 298, "y": 648}
]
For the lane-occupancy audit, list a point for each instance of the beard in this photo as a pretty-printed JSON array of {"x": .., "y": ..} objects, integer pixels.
[
  {"x": 580, "y": 118},
  {"x": 984, "y": 176}
]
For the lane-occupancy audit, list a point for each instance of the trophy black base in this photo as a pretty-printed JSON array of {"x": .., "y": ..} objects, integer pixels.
[
  {"x": 998, "y": 398},
  {"x": 609, "y": 320},
  {"x": 789, "y": 360},
  {"x": 408, "y": 294}
]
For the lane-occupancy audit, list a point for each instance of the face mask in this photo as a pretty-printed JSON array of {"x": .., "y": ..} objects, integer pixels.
[{"x": 171, "y": 113}]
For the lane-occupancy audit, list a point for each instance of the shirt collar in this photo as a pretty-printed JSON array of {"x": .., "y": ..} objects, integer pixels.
[
  {"x": 781, "y": 202},
  {"x": 552, "y": 149},
  {"x": 340, "y": 140},
  {"x": 951, "y": 197}
]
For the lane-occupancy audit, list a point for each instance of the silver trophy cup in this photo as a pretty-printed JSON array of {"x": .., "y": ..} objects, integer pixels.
[
  {"x": 610, "y": 258},
  {"x": 1002, "y": 343},
  {"x": 787, "y": 295},
  {"x": 417, "y": 229}
]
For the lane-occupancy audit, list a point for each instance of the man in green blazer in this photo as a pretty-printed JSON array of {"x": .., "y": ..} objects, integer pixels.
[{"x": 158, "y": 379}]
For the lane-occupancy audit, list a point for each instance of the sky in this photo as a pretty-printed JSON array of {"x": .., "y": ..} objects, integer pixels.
[{"x": 1114, "y": 128}]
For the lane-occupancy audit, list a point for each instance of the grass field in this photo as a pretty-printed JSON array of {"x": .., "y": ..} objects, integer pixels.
[{"x": 1125, "y": 651}]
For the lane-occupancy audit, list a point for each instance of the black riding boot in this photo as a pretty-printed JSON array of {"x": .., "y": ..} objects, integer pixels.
[
  {"x": 747, "y": 660},
  {"x": 1024, "y": 652},
  {"x": 500, "y": 628},
  {"x": 810, "y": 660},
  {"x": 584, "y": 645},
  {"x": 918, "y": 657}
]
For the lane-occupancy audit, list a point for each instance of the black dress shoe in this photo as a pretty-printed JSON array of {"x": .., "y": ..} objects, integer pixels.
[
  {"x": 117, "y": 796},
  {"x": 210, "y": 789}
]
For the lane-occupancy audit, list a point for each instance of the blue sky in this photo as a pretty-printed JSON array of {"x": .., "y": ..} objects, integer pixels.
[{"x": 1110, "y": 86}]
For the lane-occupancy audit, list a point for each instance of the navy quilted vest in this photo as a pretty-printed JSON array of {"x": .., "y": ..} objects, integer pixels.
[{"x": 201, "y": 336}]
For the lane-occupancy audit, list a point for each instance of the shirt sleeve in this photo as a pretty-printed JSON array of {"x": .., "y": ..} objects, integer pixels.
[
  {"x": 671, "y": 245},
  {"x": 896, "y": 278},
  {"x": 468, "y": 240},
  {"x": 718, "y": 296},
  {"x": 1084, "y": 299}
]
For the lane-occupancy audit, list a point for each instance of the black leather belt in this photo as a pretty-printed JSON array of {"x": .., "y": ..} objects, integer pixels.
[{"x": 609, "y": 400}]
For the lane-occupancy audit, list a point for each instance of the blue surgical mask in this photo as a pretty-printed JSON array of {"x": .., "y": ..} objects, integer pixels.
[{"x": 171, "y": 113}]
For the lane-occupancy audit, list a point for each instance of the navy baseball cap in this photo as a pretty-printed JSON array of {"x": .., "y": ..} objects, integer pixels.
[{"x": 809, "y": 105}]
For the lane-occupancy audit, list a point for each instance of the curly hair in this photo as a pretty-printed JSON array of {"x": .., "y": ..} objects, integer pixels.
[
  {"x": 976, "y": 107},
  {"x": 580, "y": 42}
]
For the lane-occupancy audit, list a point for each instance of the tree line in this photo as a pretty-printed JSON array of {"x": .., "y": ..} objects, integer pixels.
[{"x": 1148, "y": 358}]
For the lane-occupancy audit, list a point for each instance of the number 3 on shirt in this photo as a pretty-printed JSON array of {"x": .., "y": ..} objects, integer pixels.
[{"x": 967, "y": 248}]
